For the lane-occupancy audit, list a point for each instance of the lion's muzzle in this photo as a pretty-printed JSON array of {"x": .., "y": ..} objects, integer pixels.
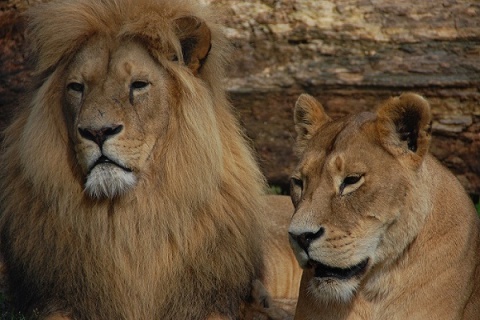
[
  {"x": 101, "y": 134},
  {"x": 106, "y": 173}
]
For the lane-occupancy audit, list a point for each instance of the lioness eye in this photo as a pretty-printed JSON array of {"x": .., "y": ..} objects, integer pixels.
[
  {"x": 296, "y": 190},
  {"x": 75, "y": 86},
  {"x": 351, "y": 181},
  {"x": 296, "y": 182},
  {"x": 139, "y": 84}
]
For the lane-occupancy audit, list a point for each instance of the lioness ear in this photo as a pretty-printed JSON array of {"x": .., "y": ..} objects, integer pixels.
[
  {"x": 195, "y": 38},
  {"x": 404, "y": 125},
  {"x": 309, "y": 116}
]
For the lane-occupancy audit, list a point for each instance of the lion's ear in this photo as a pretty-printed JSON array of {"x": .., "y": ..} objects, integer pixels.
[
  {"x": 195, "y": 38},
  {"x": 309, "y": 116},
  {"x": 404, "y": 126}
]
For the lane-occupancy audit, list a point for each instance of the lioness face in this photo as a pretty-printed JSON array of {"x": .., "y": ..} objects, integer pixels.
[
  {"x": 349, "y": 193},
  {"x": 339, "y": 222},
  {"x": 116, "y": 104}
]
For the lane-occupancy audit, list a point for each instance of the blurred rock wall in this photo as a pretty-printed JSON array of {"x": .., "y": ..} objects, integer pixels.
[{"x": 350, "y": 54}]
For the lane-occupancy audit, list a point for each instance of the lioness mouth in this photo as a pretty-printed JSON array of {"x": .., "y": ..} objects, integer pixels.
[
  {"x": 324, "y": 271},
  {"x": 103, "y": 160}
]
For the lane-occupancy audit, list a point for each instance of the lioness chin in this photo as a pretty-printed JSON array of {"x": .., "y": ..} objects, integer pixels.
[{"x": 381, "y": 228}]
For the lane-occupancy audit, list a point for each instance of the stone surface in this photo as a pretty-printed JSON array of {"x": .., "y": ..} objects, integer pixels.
[{"x": 350, "y": 54}]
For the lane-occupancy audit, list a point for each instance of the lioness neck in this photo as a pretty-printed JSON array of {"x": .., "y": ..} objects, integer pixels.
[{"x": 445, "y": 243}]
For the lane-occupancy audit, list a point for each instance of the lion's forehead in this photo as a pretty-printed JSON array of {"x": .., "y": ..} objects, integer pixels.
[
  {"x": 90, "y": 56},
  {"x": 102, "y": 58}
]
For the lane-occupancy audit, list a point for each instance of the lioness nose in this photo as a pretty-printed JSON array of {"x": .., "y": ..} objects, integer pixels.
[
  {"x": 100, "y": 135},
  {"x": 305, "y": 239}
]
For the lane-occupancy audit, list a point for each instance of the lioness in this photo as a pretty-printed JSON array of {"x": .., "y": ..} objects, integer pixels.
[
  {"x": 382, "y": 230},
  {"x": 127, "y": 189}
]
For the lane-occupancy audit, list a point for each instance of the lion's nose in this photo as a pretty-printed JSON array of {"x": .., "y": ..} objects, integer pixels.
[
  {"x": 99, "y": 136},
  {"x": 305, "y": 239}
]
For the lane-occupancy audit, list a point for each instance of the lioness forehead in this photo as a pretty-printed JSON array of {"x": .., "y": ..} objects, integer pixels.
[
  {"x": 354, "y": 127},
  {"x": 334, "y": 133},
  {"x": 339, "y": 137}
]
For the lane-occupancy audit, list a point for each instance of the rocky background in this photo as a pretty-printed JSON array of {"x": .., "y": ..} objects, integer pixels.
[{"x": 350, "y": 54}]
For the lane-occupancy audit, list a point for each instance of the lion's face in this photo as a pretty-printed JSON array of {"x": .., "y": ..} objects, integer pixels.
[
  {"x": 351, "y": 194},
  {"x": 129, "y": 164},
  {"x": 116, "y": 104}
]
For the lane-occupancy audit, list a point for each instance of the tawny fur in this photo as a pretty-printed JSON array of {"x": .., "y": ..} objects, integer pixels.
[
  {"x": 183, "y": 239},
  {"x": 370, "y": 183}
]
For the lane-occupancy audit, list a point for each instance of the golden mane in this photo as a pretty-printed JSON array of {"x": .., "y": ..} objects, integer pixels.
[{"x": 186, "y": 241}]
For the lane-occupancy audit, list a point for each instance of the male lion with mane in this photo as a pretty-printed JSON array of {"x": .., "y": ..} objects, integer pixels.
[
  {"x": 382, "y": 230},
  {"x": 127, "y": 189}
]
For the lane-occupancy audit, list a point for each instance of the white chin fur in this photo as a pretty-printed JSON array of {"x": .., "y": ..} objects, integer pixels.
[
  {"x": 333, "y": 290},
  {"x": 109, "y": 181}
]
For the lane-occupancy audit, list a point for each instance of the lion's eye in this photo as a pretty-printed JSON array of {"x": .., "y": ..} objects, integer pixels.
[
  {"x": 350, "y": 183},
  {"x": 76, "y": 86},
  {"x": 139, "y": 84},
  {"x": 296, "y": 190}
]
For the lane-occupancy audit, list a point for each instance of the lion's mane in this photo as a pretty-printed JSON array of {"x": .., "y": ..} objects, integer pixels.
[{"x": 185, "y": 242}]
